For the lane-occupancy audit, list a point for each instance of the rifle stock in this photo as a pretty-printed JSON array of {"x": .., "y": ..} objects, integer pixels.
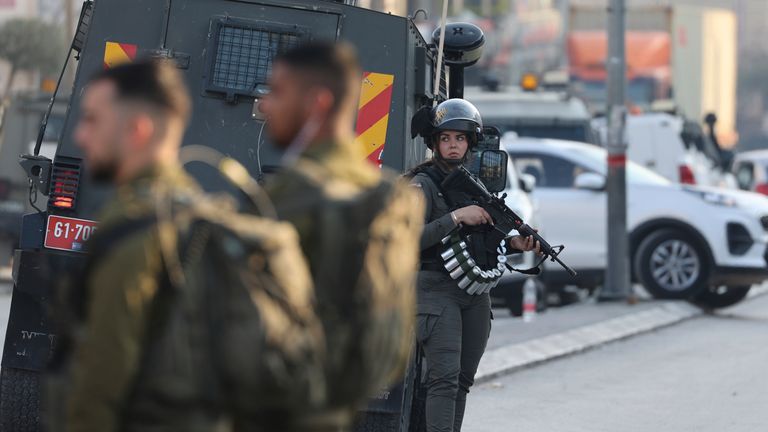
[{"x": 504, "y": 217}]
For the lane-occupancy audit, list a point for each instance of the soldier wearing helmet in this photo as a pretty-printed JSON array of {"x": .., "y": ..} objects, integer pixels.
[{"x": 452, "y": 324}]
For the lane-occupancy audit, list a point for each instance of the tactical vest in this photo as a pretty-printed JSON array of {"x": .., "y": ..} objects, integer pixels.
[{"x": 467, "y": 254}]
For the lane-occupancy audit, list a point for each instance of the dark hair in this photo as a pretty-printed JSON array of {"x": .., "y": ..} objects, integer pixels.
[
  {"x": 330, "y": 65},
  {"x": 157, "y": 83}
]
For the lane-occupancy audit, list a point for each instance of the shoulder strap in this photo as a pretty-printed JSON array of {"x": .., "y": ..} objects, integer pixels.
[
  {"x": 437, "y": 178},
  {"x": 97, "y": 248},
  {"x": 76, "y": 297}
]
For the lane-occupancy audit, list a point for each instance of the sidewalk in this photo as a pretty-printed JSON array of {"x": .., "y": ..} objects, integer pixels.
[{"x": 557, "y": 333}]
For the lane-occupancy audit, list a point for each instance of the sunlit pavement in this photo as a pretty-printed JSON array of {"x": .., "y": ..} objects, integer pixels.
[{"x": 705, "y": 374}]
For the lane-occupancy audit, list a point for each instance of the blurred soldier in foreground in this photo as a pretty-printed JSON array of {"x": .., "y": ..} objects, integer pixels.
[
  {"x": 358, "y": 226},
  {"x": 189, "y": 316},
  {"x": 133, "y": 120}
]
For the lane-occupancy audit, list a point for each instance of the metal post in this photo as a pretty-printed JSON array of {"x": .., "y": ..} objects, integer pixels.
[
  {"x": 617, "y": 284},
  {"x": 70, "y": 27}
]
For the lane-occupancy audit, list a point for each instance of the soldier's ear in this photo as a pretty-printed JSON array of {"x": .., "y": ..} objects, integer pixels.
[
  {"x": 321, "y": 99},
  {"x": 142, "y": 129}
]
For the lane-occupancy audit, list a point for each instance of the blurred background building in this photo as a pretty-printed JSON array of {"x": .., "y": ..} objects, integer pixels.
[{"x": 522, "y": 36}]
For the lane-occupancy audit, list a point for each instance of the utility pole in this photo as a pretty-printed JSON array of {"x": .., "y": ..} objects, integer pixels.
[
  {"x": 486, "y": 8},
  {"x": 617, "y": 284},
  {"x": 69, "y": 31}
]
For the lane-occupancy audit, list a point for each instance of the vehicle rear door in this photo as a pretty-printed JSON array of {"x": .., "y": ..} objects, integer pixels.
[{"x": 225, "y": 49}]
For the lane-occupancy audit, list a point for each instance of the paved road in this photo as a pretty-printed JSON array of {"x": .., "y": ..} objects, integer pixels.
[{"x": 707, "y": 374}]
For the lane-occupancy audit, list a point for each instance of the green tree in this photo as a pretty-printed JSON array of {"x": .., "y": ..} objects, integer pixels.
[{"x": 29, "y": 44}]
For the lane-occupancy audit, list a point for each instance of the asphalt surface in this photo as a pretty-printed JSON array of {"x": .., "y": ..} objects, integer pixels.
[{"x": 706, "y": 374}]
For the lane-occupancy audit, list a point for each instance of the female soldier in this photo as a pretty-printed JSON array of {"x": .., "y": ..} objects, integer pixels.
[{"x": 453, "y": 325}]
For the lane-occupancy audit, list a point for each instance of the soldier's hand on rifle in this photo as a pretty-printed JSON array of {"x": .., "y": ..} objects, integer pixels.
[
  {"x": 472, "y": 215},
  {"x": 525, "y": 244}
]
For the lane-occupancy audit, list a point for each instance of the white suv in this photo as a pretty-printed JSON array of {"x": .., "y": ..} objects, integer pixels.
[
  {"x": 687, "y": 242},
  {"x": 518, "y": 198}
]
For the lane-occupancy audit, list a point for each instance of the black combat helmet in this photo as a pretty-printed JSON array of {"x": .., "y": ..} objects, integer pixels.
[
  {"x": 457, "y": 115},
  {"x": 450, "y": 115}
]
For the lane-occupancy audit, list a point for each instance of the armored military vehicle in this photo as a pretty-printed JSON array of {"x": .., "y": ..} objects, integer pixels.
[{"x": 224, "y": 49}]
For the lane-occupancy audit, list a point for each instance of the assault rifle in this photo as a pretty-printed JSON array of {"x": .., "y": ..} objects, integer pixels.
[{"x": 504, "y": 218}]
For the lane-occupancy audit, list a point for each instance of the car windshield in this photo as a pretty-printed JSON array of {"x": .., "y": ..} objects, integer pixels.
[
  {"x": 569, "y": 132},
  {"x": 639, "y": 91},
  {"x": 636, "y": 174}
]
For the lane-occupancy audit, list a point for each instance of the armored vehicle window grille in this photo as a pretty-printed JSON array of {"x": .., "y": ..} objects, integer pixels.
[{"x": 243, "y": 53}]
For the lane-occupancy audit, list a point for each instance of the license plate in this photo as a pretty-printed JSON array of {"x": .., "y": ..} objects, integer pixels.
[{"x": 69, "y": 234}]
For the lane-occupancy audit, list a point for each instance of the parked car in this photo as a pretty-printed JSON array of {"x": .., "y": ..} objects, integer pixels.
[
  {"x": 686, "y": 242},
  {"x": 509, "y": 291},
  {"x": 751, "y": 171},
  {"x": 673, "y": 147}
]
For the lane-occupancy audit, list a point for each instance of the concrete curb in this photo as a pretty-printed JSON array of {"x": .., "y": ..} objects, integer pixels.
[{"x": 504, "y": 360}]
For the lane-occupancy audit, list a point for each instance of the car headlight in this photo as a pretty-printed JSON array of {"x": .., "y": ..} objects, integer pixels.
[{"x": 715, "y": 198}]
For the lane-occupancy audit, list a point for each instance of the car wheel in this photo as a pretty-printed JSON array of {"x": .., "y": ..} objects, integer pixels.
[
  {"x": 721, "y": 296},
  {"x": 19, "y": 400},
  {"x": 514, "y": 302},
  {"x": 671, "y": 265}
]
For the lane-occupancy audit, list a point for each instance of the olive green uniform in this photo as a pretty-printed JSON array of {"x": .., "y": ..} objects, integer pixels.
[
  {"x": 452, "y": 326},
  {"x": 365, "y": 292},
  {"x": 120, "y": 289}
]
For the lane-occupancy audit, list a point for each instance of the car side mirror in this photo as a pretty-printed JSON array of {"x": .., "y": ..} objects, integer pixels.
[
  {"x": 527, "y": 182},
  {"x": 493, "y": 170},
  {"x": 589, "y": 181}
]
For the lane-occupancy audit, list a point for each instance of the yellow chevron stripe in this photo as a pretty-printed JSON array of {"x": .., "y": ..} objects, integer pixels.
[
  {"x": 114, "y": 55},
  {"x": 373, "y": 137},
  {"x": 372, "y": 85}
]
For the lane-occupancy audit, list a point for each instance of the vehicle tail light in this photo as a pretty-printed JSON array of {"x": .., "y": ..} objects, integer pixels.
[
  {"x": 65, "y": 179},
  {"x": 762, "y": 188},
  {"x": 686, "y": 175}
]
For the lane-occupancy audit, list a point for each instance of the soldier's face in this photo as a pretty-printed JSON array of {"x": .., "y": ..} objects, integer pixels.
[
  {"x": 452, "y": 145},
  {"x": 285, "y": 107},
  {"x": 99, "y": 131}
]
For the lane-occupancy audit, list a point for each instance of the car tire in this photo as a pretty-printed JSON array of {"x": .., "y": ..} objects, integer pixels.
[
  {"x": 19, "y": 400},
  {"x": 513, "y": 300},
  {"x": 721, "y": 297},
  {"x": 671, "y": 265}
]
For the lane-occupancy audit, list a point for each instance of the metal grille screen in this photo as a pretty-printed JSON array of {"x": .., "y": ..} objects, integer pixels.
[{"x": 244, "y": 57}]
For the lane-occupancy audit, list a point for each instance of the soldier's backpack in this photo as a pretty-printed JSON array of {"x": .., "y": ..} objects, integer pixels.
[
  {"x": 232, "y": 327},
  {"x": 365, "y": 275}
]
